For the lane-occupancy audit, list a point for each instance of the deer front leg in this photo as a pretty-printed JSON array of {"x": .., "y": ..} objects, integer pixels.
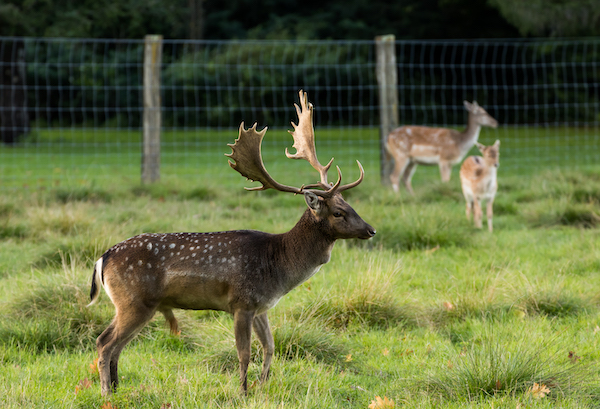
[
  {"x": 477, "y": 214},
  {"x": 469, "y": 208},
  {"x": 445, "y": 169},
  {"x": 242, "y": 323},
  {"x": 263, "y": 332},
  {"x": 490, "y": 214}
]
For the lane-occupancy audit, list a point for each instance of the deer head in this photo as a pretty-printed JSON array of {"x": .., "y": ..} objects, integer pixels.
[
  {"x": 479, "y": 115},
  {"x": 323, "y": 198}
]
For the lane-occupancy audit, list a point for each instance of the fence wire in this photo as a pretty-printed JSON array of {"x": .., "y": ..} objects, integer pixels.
[{"x": 71, "y": 109}]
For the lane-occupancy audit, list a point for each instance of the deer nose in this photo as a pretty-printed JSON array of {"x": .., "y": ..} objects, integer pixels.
[{"x": 371, "y": 231}]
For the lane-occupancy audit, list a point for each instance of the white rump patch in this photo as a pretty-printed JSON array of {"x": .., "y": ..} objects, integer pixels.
[{"x": 99, "y": 267}]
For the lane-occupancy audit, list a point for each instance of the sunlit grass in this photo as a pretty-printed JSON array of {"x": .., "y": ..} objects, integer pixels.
[{"x": 430, "y": 313}]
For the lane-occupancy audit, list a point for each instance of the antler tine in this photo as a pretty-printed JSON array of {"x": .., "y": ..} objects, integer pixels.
[
  {"x": 246, "y": 153},
  {"x": 355, "y": 183},
  {"x": 304, "y": 138},
  {"x": 332, "y": 190}
]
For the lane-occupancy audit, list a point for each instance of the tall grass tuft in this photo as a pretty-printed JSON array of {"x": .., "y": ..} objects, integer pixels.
[
  {"x": 370, "y": 302},
  {"x": 305, "y": 340},
  {"x": 83, "y": 194},
  {"x": 74, "y": 251},
  {"x": 502, "y": 363},
  {"x": 552, "y": 304},
  {"x": 51, "y": 314},
  {"x": 422, "y": 228}
]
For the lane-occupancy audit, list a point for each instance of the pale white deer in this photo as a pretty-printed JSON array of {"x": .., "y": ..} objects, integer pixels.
[
  {"x": 478, "y": 178},
  {"x": 243, "y": 272},
  {"x": 413, "y": 145}
]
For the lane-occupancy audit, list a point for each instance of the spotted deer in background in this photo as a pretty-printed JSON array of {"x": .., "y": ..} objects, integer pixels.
[
  {"x": 412, "y": 145},
  {"x": 479, "y": 182},
  {"x": 243, "y": 272}
]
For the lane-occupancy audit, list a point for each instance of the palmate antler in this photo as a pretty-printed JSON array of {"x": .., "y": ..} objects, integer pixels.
[{"x": 246, "y": 152}]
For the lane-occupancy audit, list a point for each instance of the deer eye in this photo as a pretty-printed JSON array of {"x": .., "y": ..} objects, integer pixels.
[{"x": 337, "y": 214}]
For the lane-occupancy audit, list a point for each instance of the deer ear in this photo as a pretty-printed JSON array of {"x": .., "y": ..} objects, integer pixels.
[
  {"x": 497, "y": 143},
  {"x": 467, "y": 105},
  {"x": 480, "y": 146},
  {"x": 312, "y": 201}
]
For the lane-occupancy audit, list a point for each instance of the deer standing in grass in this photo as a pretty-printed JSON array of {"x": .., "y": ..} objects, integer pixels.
[
  {"x": 422, "y": 145},
  {"x": 479, "y": 182},
  {"x": 243, "y": 272}
]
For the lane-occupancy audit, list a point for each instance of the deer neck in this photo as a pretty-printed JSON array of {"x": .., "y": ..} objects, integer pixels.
[
  {"x": 304, "y": 249},
  {"x": 471, "y": 134}
]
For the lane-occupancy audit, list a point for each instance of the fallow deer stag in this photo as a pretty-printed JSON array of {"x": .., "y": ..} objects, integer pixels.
[
  {"x": 422, "y": 145},
  {"x": 479, "y": 182},
  {"x": 243, "y": 272}
]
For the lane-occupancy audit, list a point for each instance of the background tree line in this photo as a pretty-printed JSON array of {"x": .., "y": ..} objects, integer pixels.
[
  {"x": 105, "y": 77},
  {"x": 310, "y": 19}
]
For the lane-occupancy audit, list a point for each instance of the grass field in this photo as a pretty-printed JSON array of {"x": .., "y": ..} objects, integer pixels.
[
  {"x": 430, "y": 313},
  {"x": 104, "y": 157}
]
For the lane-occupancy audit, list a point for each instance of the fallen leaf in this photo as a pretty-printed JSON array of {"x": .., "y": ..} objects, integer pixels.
[
  {"x": 83, "y": 384},
  {"x": 538, "y": 391},
  {"x": 165, "y": 406},
  {"x": 448, "y": 306},
  {"x": 386, "y": 352},
  {"x": 349, "y": 358},
  {"x": 384, "y": 403},
  {"x": 574, "y": 358},
  {"x": 108, "y": 405},
  {"x": 498, "y": 384},
  {"x": 94, "y": 367}
]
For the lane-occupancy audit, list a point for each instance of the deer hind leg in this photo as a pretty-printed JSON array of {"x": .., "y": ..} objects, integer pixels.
[
  {"x": 407, "y": 175},
  {"x": 445, "y": 170},
  {"x": 490, "y": 214},
  {"x": 112, "y": 341},
  {"x": 263, "y": 332},
  {"x": 242, "y": 325},
  {"x": 171, "y": 320},
  {"x": 400, "y": 164}
]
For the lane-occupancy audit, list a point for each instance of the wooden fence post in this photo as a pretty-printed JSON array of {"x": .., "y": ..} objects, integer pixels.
[
  {"x": 152, "y": 109},
  {"x": 387, "y": 79}
]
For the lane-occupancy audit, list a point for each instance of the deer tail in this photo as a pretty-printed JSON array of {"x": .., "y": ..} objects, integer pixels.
[{"x": 96, "y": 281}]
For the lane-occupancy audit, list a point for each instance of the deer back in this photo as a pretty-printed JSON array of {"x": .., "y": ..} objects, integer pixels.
[{"x": 427, "y": 145}]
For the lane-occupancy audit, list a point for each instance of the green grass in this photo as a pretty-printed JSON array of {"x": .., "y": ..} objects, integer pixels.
[
  {"x": 430, "y": 313},
  {"x": 100, "y": 158}
]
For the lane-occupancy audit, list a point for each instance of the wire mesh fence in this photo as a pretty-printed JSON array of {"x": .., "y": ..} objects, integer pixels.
[{"x": 71, "y": 109}]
